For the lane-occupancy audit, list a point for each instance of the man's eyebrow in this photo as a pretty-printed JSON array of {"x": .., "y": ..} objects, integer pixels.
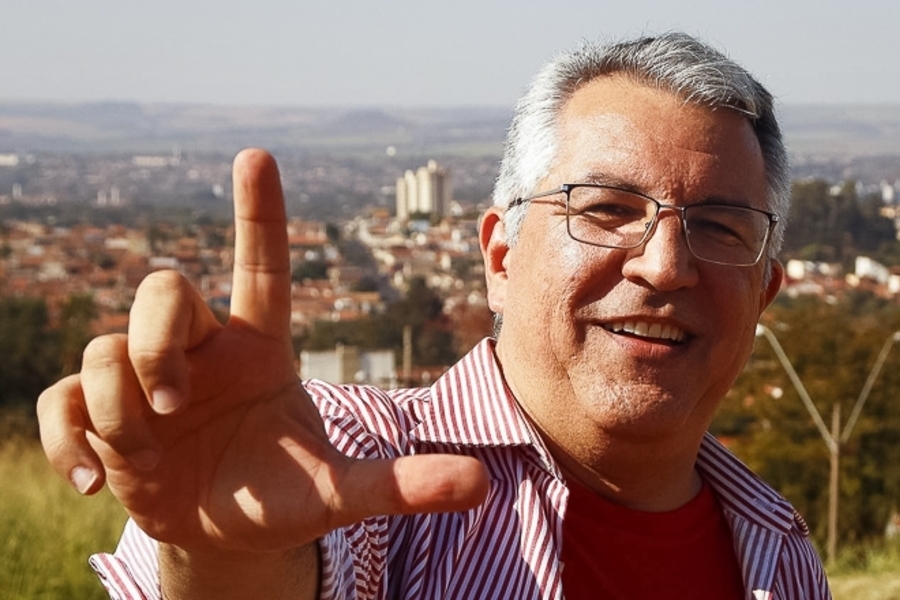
[{"x": 600, "y": 178}]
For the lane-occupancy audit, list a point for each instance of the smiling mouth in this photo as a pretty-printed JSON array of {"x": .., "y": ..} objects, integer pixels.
[{"x": 643, "y": 329}]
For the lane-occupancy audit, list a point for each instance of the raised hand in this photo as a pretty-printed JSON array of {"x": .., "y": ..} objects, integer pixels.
[{"x": 203, "y": 431}]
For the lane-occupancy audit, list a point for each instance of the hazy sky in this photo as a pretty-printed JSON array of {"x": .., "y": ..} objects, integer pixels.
[{"x": 425, "y": 53}]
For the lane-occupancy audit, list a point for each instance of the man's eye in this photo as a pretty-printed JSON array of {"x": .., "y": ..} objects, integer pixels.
[
  {"x": 610, "y": 212},
  {"x": 730, "y": 232}
]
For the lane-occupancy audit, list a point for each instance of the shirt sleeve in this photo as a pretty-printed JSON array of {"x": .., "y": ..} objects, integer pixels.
[{"x": 132, "y": 572}]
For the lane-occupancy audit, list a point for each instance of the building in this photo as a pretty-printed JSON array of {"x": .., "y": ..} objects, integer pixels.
[
  {"x": 423, "y": 192},
  {"x": 348, "y": 364}
]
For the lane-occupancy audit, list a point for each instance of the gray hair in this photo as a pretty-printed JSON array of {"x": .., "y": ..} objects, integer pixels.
[{"x": 675, "y": 62}]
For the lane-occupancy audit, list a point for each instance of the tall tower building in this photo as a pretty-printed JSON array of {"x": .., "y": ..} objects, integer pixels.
[{"x": 425, "y": 191}]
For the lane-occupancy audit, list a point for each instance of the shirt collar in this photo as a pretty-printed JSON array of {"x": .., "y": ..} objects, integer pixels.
[
  {"x": 742, "y": 493},
  {"x": 471, "y": 405}
]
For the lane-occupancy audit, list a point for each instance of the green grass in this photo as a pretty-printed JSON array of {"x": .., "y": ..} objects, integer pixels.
[
  {"x": 867, "y": 572},
  {"x": 47, "y": 531}
]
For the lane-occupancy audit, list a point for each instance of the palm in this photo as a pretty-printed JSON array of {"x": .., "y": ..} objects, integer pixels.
[{"x": 224, "y": 453}]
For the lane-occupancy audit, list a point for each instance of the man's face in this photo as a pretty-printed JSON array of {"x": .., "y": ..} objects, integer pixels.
[{"x": 647, "y": 341}]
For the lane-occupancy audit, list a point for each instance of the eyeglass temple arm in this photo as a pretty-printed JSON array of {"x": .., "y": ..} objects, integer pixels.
[{"x": 520, "y": 201}]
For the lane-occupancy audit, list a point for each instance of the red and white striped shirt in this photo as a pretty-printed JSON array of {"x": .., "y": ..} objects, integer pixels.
[{"x": 509, "y": 547}]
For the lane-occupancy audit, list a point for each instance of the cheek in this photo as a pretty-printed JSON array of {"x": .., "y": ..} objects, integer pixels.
[
  {"x": 571, "y": 257},
  {"x": 573, "y": 277},
  {"x": 560, "y": 276},
  {"x": 553, "y": 263},
  {"x": 593, "y": 275},
  {"x": 738, "y": 324}
]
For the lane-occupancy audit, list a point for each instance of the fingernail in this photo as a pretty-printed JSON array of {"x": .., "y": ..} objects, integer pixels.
[
  {"x": 82, "y": 478},
  {"x": 166, "y": 400},
  {"x": 143, "y": 460}
]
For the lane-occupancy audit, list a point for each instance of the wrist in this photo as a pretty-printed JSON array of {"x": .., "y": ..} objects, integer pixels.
[{"x": 233, "y": 575}]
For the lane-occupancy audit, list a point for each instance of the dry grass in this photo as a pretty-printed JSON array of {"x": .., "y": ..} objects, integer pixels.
[
  {"x": 47, "y": 530},
  {"x": 866, "y": 586},
  {"x": 867, "y": 573}
]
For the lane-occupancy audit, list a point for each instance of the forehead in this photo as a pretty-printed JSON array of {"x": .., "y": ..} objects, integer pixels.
[{"x": 616, "y": 127}]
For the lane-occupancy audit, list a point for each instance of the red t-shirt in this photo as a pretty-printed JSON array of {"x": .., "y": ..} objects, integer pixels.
[{"x": 616, "y": 553}]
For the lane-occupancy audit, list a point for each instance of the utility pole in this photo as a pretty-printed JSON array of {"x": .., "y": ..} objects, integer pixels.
[
  {"x": 834, "y": 438},
  {"x": 407, "y": 355},
  {"x": 834, "y": 481}
]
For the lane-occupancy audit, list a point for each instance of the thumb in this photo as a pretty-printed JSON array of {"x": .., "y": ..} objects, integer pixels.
[{"x": 413, "y": 484}]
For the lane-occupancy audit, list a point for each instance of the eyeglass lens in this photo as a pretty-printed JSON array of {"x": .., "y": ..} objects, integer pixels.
[{"x": 614, "y": 218}]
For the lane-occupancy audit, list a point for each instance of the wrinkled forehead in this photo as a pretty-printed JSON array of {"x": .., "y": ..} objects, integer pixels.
[{"x": 619, "y": 127}]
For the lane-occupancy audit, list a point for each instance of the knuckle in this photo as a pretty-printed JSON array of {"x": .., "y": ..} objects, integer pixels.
[
  {"x": 46, "y": 403},
  {"x": 104, "y": 351},
  {"x": 149, "y": 361},
  {"x": 161, "y": 283},
  {"x": 49, "y": 415},
  {"x": 51, "y": 412},
  {"x": 109, "y": 427},
  {"x": 60, "y": 429},
  {"x": 59, "y": 451}
]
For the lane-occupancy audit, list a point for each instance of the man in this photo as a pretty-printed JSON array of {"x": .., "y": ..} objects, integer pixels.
[{"x": 629, "y": 254}]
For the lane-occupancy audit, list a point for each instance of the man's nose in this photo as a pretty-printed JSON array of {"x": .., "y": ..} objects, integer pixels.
[{"x": 664, "y": 260}]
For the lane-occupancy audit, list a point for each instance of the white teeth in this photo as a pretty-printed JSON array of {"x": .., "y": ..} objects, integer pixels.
[{"x": 648, "y": 330}]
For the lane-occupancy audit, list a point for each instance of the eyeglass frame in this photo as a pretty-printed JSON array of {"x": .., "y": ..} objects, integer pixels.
[{"x": 567, "y": 188}]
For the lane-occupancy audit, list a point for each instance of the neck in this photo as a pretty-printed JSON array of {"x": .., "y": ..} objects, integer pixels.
[{"x": 651, "y": 476}]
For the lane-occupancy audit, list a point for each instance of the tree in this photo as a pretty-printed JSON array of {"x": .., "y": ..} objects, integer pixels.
[
  {"x": 76, "y": 317},
  {"x": 833, "y": 224},
  {"x": 422, "y": 309},
  {"x": 29, "y": 350},
  {"x": 432, "y": 330},
  {"x": 310, "y": 269},
  {"x": 833, "y": 348}
]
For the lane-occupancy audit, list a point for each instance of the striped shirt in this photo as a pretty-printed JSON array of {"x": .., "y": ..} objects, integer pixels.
[{"x": 509, "y": 547}]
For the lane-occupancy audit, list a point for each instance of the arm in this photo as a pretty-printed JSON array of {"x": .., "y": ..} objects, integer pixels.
[
  {"x": 205, "y": 435},
  {"x": 288, "y": 575}
]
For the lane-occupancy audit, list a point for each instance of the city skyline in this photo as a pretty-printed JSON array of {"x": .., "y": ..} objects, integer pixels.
[{"x": 404, "y": 53}]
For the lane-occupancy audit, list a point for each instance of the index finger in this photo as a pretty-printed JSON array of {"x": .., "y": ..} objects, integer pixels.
[{"x": 261, "y": 290}]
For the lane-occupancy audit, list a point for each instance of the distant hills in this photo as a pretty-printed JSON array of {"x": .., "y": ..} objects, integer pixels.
[
  {"x": 129, "y": 127},
  {"x": 842, "y": 131},
  {"x": 819, "y": 132}
]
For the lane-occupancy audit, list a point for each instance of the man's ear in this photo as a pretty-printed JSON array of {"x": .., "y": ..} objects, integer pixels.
[
  {"x": 494, "y": 251},
  {"x": 776, "y": 276}
]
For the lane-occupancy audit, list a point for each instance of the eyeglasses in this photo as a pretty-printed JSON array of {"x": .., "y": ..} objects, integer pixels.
[{"x": 611, "y": 217}]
